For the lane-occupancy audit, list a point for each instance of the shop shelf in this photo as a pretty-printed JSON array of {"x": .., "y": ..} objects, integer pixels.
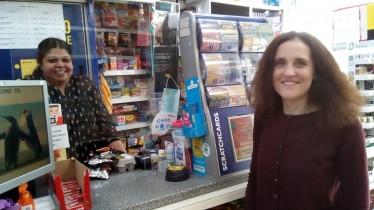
[
  {"x": 266, "y": 7},
  {"x": 368, "y": 125},
  {"x": 369, "y": 140},
  {"x": 129, "y": 99},
  {"x": 364, "y": 61},
  {"x": 367, "y": 92},
  {"x": 247, "y": 4},
  {"x": 132, "y": 1},
  {"x": 120, "y": 30},
  {"x": 364, "y": 77},
  {"x": 132, "y": 126},
  {"x": 125, "y": 72},
  {"x": 370, "y": 152},
  {"x": 236, "y": 3},
  {"x": 367, "y": 109}
]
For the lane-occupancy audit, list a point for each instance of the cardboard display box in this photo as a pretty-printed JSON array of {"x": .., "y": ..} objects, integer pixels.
[{"x": 71, "y": 169}]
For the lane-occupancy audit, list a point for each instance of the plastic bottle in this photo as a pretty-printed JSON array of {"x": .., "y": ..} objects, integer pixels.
[
  {"x": 154, "y": 159},
  {"x": 162, "y": 161},
  {"x": 170, "y": 154},
  {"x": 178, "y": 136}
]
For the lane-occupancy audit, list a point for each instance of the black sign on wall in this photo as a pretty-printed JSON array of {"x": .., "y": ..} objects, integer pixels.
[{"x": 166, "y": 63}]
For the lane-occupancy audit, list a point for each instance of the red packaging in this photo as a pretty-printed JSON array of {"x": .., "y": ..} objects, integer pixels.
[
  {"x": 69, "y": 182},
  {"x": 75, "y": 206},
  {"x": 71, "y": 189},
  {"x": 70, "y": 185},
  {"x": 73, "y": 198}
]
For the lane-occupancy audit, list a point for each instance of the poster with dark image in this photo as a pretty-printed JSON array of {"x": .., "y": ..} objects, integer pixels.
[{"x": 23, "y": 131}]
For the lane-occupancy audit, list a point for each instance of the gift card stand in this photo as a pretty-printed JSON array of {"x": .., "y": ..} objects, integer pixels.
[{"x": 212, "y": 69}]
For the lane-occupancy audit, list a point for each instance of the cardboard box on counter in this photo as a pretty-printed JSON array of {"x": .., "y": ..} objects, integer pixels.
[{"x": 71, "y": 169}]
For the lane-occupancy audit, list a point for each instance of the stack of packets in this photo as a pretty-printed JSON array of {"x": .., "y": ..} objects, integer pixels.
[
  {"x": 60, "y": 136},
  {"x": 101, "y": 164},
  {"x": 73, "y": 195},
  {"x": 225, "y": 96}
]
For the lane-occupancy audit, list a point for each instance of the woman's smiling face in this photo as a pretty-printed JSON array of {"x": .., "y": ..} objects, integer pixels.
[
  {"x": 57, "y": 66},
  {"x": 293, "y": 71}
]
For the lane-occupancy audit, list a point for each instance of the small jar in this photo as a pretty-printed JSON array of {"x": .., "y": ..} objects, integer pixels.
[{"x": 363, "y": 119}]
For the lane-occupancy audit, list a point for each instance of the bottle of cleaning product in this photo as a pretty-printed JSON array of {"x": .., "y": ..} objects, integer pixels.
[
  {"x": 169, "y": 150},
  {"x": 183, "y": 145},
  {"x": 162, "y": 161}
]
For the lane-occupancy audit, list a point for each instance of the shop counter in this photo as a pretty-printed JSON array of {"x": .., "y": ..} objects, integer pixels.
[{"x": 143, "y": 190}]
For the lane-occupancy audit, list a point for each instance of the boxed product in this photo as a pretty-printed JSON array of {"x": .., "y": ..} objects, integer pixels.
[
  {"x": 132, "y": 64},
  {"x": 112, "y": 63},
  {"x": 109, "y": 16},
  {"x": 98, "y": 17},
  {"x": 119, "y": 119},
  {"x": 122, "y": 15},
  {"x": 119, "y": 108},
  {"x": 110, "y": 38},
  {"x": 71, "y": 183},
  {"x": 121, "y": 64},
  {"x": 131, "y": 117},
  {"x": 124, "y": 39},
  {"x": 135, "y": 92},
  {"x": 142, "y": 85},
  {"x": 133, "y": 16}
]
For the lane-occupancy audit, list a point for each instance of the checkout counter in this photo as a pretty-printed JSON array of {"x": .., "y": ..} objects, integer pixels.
[{"x": 141, "y": 189}]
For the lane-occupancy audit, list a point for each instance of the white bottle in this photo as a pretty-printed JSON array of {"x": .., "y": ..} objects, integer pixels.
[
  {"x": 162, "y": 161},
  {"x": 170, "y": 154},
  {"x": 154, "y": 159}
]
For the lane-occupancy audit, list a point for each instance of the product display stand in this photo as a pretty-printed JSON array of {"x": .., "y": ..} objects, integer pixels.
[
  {"x": 361, "y": 72},
  {"x": 213, "y": 74}
]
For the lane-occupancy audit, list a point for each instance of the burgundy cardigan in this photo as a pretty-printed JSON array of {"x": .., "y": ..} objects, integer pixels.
[{"x": 298, "y": 165}]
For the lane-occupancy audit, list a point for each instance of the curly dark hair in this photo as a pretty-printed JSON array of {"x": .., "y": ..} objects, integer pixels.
[{"x": 338, "y": 100}]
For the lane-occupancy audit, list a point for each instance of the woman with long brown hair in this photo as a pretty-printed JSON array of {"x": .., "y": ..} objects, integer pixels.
[{"x": 309, "y": 146}]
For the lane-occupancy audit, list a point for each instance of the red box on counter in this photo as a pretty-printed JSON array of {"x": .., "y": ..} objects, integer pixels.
[{"x": 67, "y": 170}]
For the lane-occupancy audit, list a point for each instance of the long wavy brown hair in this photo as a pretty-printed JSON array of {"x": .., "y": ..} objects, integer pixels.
[{"x": 339, "y": 102}]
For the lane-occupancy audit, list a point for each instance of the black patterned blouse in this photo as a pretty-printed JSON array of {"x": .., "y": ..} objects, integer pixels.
[{"x": 89, "y": 124}]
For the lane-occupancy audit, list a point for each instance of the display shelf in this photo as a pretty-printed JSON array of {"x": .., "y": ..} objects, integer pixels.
[
  {"x": 368, "y": 125},
  {"x": 120, "y": 30},
  {"x": 236, "y": 3},
  {"x": 367, "y": 92},
  {"x": 122, "y": 56},
  {"x": 129, "y": 99},
  {"x": 133, "y": 1},
  {"x": 266, "y": 7},
  {"x": 364, "y": 77},
  {"x": 125, "y": 72},
  {"x": 367, "y": 109},
  {"x": 225, "y": 7},
  {"x": 370, "y": 152},
  {"x": 364, "y": 61},
  {"x": 369, "y": 140},
  {"x": 132, "y": 126}
]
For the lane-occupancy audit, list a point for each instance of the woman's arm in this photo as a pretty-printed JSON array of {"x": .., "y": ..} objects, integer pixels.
[
  {"x": 352, "y": 168},
  {"x": 104, "y": 120},
  {"x": 250, "y": 193}
]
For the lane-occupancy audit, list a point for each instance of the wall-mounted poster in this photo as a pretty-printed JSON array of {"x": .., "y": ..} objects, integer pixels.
[{"x": 241, "y": 131}]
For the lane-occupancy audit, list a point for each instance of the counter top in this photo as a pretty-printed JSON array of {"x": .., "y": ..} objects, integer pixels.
[{"x": 143, "y": 190}]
